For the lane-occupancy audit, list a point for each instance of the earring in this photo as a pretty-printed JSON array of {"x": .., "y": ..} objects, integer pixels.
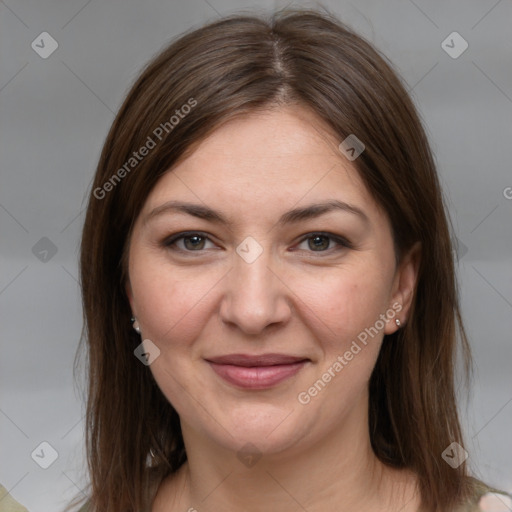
[
  {"x": 398, "y": 323},
  {"x": 136, "y": 325}
]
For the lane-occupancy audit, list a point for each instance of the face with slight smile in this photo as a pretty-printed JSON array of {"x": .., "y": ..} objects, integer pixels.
[{"x": 247, "y": 326}]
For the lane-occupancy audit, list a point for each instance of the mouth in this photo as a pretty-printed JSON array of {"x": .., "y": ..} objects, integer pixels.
[{"x": 256, "y": 372}]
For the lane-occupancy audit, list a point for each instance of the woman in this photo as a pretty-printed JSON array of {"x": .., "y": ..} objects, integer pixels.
[{"x": 270, "y": 303}]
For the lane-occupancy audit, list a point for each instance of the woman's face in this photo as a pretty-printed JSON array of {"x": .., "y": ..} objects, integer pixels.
[{"x": 268, "y": 323}]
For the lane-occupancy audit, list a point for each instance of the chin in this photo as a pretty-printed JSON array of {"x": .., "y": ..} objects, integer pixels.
[{"x": 264, "y": 428}]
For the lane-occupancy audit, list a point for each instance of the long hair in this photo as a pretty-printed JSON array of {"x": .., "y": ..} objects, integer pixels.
[{"x": 206, "y": 77}]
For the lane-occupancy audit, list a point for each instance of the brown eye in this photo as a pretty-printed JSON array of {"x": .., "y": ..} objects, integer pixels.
[
  {"x": 187, "y": 242},
  {"x": 319, "y": 242},
  {"x": 194, "y": 242},
  {"x": 325, "y": 242}
]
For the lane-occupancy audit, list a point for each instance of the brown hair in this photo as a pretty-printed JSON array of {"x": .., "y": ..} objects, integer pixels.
[{"x": 222, "y": 70}]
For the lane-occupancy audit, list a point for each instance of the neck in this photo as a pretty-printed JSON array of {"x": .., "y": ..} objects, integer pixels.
[{"x": 339, "y": 472}]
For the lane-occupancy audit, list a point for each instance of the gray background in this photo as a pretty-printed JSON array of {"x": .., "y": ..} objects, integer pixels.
[{"x": 55, "y": 113}]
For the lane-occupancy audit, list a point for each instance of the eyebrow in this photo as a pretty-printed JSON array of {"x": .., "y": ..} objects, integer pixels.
[{"x": 296, "y": 215}]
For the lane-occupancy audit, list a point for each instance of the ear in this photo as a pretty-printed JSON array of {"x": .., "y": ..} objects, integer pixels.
[{"x": 404, "y": 286}]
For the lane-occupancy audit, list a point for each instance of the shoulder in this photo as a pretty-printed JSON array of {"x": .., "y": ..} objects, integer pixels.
[
  {"x": 85, "y": 507},
  {"x": 485, "y": 498},
  {"x": 8, "y": 503},
  {"x": 154, "y": 480}
]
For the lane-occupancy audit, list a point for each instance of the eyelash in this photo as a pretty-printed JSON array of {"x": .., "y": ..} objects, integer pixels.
[{"x": 343, "y": 243}]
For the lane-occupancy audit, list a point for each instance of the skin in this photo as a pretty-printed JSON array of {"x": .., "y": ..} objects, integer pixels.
[{"x": 293, "y": 299}]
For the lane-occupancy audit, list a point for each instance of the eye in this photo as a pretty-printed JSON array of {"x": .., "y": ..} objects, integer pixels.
[
  {"x": 194, "y": 241},
  {"x": 187, "y": 242},
  {"x": 325, "y": 242}
]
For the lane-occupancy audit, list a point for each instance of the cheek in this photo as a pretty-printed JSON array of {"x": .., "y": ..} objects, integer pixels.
[
  {"x": 173, "y": 304},
  {"x": 170, "y": 304},
  {"x": 170, "y": 301},
  {"x": 346, "y": 303},
  {"x": 349, "y": 331}
]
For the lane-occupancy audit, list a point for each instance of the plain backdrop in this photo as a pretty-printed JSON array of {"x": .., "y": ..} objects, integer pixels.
[{"x": 55, "y": 113}]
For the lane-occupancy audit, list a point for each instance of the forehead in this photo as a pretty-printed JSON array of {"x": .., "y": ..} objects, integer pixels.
[{"x": 266, "y": 161}]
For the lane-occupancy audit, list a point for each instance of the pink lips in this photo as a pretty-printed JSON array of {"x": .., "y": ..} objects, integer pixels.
[{"x": 256, "y": 372}]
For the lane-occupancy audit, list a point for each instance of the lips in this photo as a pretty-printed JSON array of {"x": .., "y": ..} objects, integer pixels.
[
  {"x": 262, "y": 360},
  {"x": 258, "y": 371}
]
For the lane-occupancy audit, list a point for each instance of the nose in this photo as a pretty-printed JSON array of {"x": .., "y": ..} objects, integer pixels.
[{"x": 256, "y": 298}]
